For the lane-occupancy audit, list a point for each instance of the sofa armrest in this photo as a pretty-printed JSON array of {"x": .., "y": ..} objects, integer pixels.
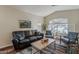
[
  {"x": 65, "y": 36},
  {"x": 15, "y": 40},
  {"x": 15, "y": 43}
]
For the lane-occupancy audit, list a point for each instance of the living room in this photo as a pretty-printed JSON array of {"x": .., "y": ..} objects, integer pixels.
[{"x": 39, "y": 23}]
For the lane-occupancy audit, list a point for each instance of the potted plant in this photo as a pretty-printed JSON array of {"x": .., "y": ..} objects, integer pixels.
[{"x": 44, "y": 28}]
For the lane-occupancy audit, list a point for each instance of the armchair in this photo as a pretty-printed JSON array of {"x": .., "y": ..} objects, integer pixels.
[
  {"x": 48, "y": 34},
  {"x": 71, "y": 38}
]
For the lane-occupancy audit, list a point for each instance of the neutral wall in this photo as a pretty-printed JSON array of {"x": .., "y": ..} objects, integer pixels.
[
  {"x": 9, "y": 22},
  {"x": 71, "y": 15}
]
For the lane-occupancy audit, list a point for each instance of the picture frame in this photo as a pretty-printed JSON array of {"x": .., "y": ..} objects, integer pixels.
[{"x": 24, "y": 24}]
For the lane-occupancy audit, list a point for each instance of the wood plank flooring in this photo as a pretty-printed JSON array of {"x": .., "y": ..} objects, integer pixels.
[{"x": 7, "y": 50}]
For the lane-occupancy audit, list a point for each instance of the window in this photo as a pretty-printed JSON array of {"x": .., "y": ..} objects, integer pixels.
[{"x": 59, "y": 25}]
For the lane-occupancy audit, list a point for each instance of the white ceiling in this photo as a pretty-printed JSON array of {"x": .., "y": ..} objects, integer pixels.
[{"x": 44, "y": 10}]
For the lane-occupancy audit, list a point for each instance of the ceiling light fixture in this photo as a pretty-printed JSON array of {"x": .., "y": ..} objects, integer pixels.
[{"x": 53, "y": 5}]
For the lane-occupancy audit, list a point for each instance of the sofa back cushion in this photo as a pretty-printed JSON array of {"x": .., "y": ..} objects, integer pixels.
[
  {"x": 18, "y": 35},
  {"x": 48, "y": 33},
  {"x": 72, "y": 35}
]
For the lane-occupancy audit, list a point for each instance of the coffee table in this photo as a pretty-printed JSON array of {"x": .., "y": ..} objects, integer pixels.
[{"x": 39, "y": 45}]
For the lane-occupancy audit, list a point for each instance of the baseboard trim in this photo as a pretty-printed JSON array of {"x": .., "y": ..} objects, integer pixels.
[{"x": 3, "y": 47}]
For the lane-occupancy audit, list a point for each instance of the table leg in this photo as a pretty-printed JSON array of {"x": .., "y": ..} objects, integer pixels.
[
  {"x": 60, "y": 39},
  {"x": 55, "y": 45}
]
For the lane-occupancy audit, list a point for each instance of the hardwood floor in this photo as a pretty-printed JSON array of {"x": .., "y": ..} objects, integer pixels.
[{"x": 7, "y": 50}]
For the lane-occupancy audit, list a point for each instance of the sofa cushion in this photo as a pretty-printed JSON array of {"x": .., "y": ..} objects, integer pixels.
[
  {"x": 32, "y": 38},
  {"x": 38, "y": 37},
  {"x": 25, "y": 41}
]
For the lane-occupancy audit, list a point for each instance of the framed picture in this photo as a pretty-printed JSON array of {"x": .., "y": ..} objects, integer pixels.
[{"x": 24, "y": 24}]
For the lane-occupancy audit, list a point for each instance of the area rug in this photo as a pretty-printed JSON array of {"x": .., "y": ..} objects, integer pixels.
[{"x": 25, "y": 51}]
